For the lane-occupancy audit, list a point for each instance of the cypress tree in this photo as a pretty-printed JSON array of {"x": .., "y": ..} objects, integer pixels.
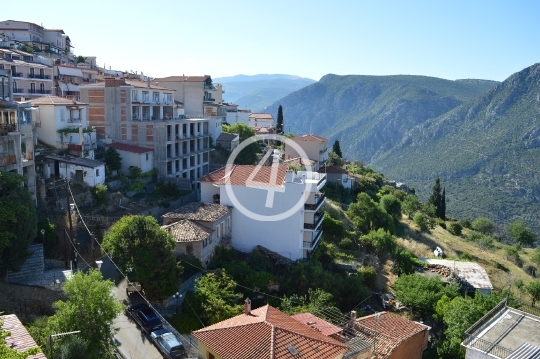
[
  {"x": 279, "y": 124},
  {"x": 337, "y": 149},
  {"x": 443, "y": 204},
  {"x": 436, "y": 199}
]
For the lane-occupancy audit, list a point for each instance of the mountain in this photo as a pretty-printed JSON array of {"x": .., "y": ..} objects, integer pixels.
[
  {"x": 486, "y": 151},
  {"x": 371, "y": 114},
  {"x": 259, "y": 91}
]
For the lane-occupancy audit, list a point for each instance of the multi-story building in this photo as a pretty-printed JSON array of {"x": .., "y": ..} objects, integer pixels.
[
  {"x": 235, "y": 114},
  {"x": 64, "y": 124},
  {"x": 272, "y": 207},
  {"x": 30, "y": 78},
  {"x": 36, "y": 36},
  {"x": 261, "y": 120},
  {"x": 147, "y": 115},
  {"x": 69, "y": 78},
  {"x": 315, "y": 147},
  {"x": 17, "y": 142}
]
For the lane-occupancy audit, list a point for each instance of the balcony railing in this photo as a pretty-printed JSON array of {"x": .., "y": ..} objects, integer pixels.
[
  {"x": 38, "y": 91},
  {"x": 39, "y": 76},
  {"x": 316, "y": 223},
  {"x": 8, "y": 160},
  {"x": 17, "y": 74},
  {"x": 319, "y": 199},
  {"x": 314, "y": 240},
  {"x": 5, "y": 128},
  {"x": 17, "y": 90}
]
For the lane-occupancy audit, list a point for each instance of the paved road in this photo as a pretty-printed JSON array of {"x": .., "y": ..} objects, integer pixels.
[{"x": 133, "y": 343}]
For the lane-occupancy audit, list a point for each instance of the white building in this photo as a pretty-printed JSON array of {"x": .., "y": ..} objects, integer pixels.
[
  {"x": 79, "y": 170},
  {"x": 315, "y": 147},
  {"x": 292, "y": 199},
  {"x": 64, "y": 124},
  {"x": 260, "y": 120},
  {"x": 134, "y": 156},
  {"x": 234, "y": 114}
]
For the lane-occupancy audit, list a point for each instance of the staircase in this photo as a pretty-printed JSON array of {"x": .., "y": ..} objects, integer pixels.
[{"x": 33, "y": 267}]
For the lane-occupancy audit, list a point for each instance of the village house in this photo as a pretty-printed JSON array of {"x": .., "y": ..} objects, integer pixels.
[
  {"x": 228, "y": 141},
  {"x": 19, "y": 338},
  {"x": 338, "y": 175},
  {"x": 134, "y": 156},
  {"x": 276, "y": 208},
  {"x": 77, "y": 169},
  {"x": 261, "y": 120},
  {"x": 315, "y": 148}
]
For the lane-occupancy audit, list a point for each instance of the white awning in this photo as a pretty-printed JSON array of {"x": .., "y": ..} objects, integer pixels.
[
  {"x": 70, "y": 71},
  {"x": 72, "y": 87},
  {"x": 63, "y": 86}
]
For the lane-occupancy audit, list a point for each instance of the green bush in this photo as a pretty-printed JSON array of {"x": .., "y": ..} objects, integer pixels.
[
  {"x": 465, "y": 256},
  {"x": 99, "y": 193},
  {"x": 455, "y": 228},
  {"x": 346, "y": 243},
  {"x": 369, "y": 274},
  {"x": 441, "y": 222},
  {"x": 332, "y": 226},
  {"x": 483, "y": 225},
  {"x": 380, "y": 240},
  {"x": 136, "y": 186},
  {"x": 512, "y": 254},
  {"x": 421, "y": 221},
  {"x": 465, "y": 223}
]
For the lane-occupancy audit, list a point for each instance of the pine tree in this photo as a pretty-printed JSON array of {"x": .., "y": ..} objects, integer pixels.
[
  {"x": 337, "y": 149},
  {"x": 279, "y": 125},
  {"x": 437, "y": 199},
  {"x": 443, "y": 204}
]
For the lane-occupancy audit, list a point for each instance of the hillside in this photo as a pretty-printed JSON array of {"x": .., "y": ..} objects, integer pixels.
[
  {"x": 259, "y": 91},
  {"x": 486, "y": 151},
  {"x": 371, "y": 114}
]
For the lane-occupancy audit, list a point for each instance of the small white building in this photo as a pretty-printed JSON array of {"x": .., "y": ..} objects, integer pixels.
[
  {"x": 64, "y": 124},
  {"x": 261, "y": 120},
  {"x": 79, "y": 170},
  {"x": 338, "y": 175},
  {"x": 272, "y": 207},
  {"x": 134, "y": 156},
  {"x": 315, "y": 148},
  {"x": 235, "y": 114}
]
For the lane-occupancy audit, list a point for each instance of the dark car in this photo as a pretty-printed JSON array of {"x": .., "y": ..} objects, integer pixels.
[{"x": 145, "y": 317}]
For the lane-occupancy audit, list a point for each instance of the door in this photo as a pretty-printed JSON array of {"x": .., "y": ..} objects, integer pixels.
[
  {"x": 56, "y": 169},
  {"x": 79, "y": 175}
]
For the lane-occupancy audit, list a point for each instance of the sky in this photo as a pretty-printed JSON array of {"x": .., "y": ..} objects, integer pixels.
[{"x": 447, "y": 39}]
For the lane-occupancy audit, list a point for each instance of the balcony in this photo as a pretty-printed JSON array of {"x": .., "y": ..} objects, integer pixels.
[
  {"x": 316, "y": 222},
  {"x": 17, "y": 74},
  {"x": 208, "y": 99},
  {"x": 315, "y": 237},
  {"x": 42, "y": 92},
  {"x": 17, "y": 90},
  {"x": 319, "y": 200},
  {"x": 7, "y": 160},
  {"x": 6, "y": 128},
  {"x": 74, "y": 120},
  {"x": 39, "y": 76}
]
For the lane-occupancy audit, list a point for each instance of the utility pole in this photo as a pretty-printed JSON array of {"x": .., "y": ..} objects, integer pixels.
[{"x": 69, "y": 215}]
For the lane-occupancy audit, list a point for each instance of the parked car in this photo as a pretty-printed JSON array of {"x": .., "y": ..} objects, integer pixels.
[
  {"x": 167, "y": 343},
  {"x": 145, "y": 316}
]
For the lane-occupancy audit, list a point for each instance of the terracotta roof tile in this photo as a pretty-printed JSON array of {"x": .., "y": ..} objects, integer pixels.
[
  {"x": 198, "y": 211},
  {"x": 238, "y": 175},
  {"x": 267, "y": 333},
  {"x": 332, "y": 169},
  {"x": 55, "y": 100},
  {"x": 129, "y": 148},
  {"x": 310, "y": 137},
  {"x": 19, "y": 339},
  {"x": 386, "y": 332},
  {"x": 317, "y": 323},
  {"x": 187, "y": 231}
]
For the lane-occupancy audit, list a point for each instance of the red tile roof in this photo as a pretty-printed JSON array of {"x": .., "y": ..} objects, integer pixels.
[
  {"x": 237, "y": 175},
  {"x": 389, "y": 330},
  {"x": 310, "y": 137},
  {"x": 182, "y": 79},
  {"x": 267, "y": 333},
  {"x": 332, "y": 169},
  {"x": 129, "y": 148},
  {"x": 19, "y": 339},
  {"x": 315, "y": 322},
  {"x": 187, "y": 231}
]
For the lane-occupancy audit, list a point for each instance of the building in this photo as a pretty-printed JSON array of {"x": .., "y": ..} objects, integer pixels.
[
  {"x": 77, "y": 169},
  {"x": 338, "y": 175},
  {"x": 198, "y": 228},
  {"x": 234, "y": 114},
  {"x": 17, "y": 136},
  {"x": 471, "y": 272},
  {"x": 19, "y": 338},
  {"x": 261, "y": 120},
  {"x": 273, "y": 207},
  {"x": 134, "y": 156},
  {"x": 69, "y": 78},
  {"x": 30, "y": 78},
  {"x": 301, "y": 164},
  {"x": 504, "y": 332},
  {"x": 36, "y": 36},
  {"x": 228, "y": 141},
  {"x": 315, "y": 148},
  {"x": 393, "y": 337},
  {"x": 64, "y": 124},
  {"x": 263, "y": 333},
  {"x": 146, "y": 115}
]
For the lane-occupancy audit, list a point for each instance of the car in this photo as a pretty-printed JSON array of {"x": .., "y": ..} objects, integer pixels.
[
  {"x": 145, "y": 317},
  {"x": 168, "y": 343}
]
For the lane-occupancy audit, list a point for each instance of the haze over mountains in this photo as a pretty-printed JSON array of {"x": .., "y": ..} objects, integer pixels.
[
  {"x": 259, "y": 91},
  {"x": 481, "y": 137}
]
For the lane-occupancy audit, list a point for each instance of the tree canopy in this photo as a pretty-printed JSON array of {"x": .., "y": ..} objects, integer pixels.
[
  {"x": 113, "y": 160},
  {"x": 392, "y": 205},
  {"x": 522, "y": 233},
  {"x": 139, "y": 243},
  {"x": 483, "y": 225},
  {"x": 367, "y": 215},
  {"x": 279, "y": 122},
  {"x": 438, "y": 199},
  {"x": 18, "y": 221},
  {"x": 90, "y": 308},
  {"x": 248, "y": 155},
  {"x": 337, "y": 149}
]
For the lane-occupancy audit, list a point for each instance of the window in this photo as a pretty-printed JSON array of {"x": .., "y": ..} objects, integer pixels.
[
  {"x": 134, "y": 96},
  {"x": 41, "y": 74},
  {"x": 41, "y": 88},
  {"x": 97, "y": 172},
  {"x": 32, "y": 72},
  {"x": 147, "y": 156},
  {"x": 135, "y": 111},
  {"x": 211, "y": 356},
  {"x": 168, "y": 98},
  {"x": 15, "y": 89},
  {"x": 229, "y": 222},
  {"x": 32, "y": 87},
  {"x": 145, "y": 97},
  {"x": 218, "y": 232},
  {"x": 189, "y": 248},
  {"x": 155, "y": 97}
]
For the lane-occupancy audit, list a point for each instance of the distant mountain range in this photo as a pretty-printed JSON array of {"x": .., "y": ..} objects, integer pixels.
[
  {"x": 481, "y": 137},
  {"x": 259, "y": 91}
]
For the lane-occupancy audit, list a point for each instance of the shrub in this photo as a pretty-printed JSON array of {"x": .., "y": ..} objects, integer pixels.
[
  {"x": 346, "y": 243},
  {"x": 380, "y": 240},
  {"x": 405, "y": 261},
  {"x": 441, "y": 222},
  {"x": 465, "y": 256},
  {"x": 99, "y": 193},
  {"x": 332, "y": 226},
  {"x": 369, "y": 274},
  {"x": 465, "y": 223},
  {"x": 392, "y": 205},
  {"x": 485, "y": 242},
  {"x": 455, "y": 228},
  {"x": 483, "y": 225},
  {"x": 512, "y": 254},
  {"x": 136, "y": 186},
  {"x": 421, "y": 221}
]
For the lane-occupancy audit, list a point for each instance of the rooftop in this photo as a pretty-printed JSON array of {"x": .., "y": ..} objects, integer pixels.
[
  {"x": 182, "y": 79},
  {"x": 238, "y": 175},
  {"x": 55, "y": 100},
  {"x": 227, "y": 136},
  {"x": 129, "y": 82},
  {"x": 270, "y": 334},
  {"x": 298, "y": 161},
  {"x": 188, "y": 231},
  {"x": 472, "y": 272},
  {"x": 506, "y": 332},
  {"x": 85, "y": 162},
  {"x": 19, "y": 339},
  {"x": 198, "y": 211},
  {"x": 317, "y": 323},
  {"x": 129, "y": 148},
  {"x": 386, "y": 331},
  {"x": 310, "y": 138},
  {"x": 261, "y": 117},
  {"x": 332, "y": 169}
]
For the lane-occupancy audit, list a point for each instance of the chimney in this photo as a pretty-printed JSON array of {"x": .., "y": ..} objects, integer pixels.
[
  {"x": 148, "y": 81},
  {"x": 247, "y": 306},
  {"x": 352, "y": 322},
  {"x": 289, "y": 176}
]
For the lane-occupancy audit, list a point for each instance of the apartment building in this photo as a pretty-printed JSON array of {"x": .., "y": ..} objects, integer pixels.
[
  {"x": 69, "y": 78},
  {"x": 261, "y": 120},
  {"x": 30, "y": 79},
  {"x": 64, "y": 124},
  {"x": 17, "y": 142},
  {"x": 36, "y": 36},
  {"x": 144, "y": 114},
  {"x": 273, "y": 207},
  {"x": 315, "y": 147}
]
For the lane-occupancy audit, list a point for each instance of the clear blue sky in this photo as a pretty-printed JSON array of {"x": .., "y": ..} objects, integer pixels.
[{"x": 448, "y": 39}]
